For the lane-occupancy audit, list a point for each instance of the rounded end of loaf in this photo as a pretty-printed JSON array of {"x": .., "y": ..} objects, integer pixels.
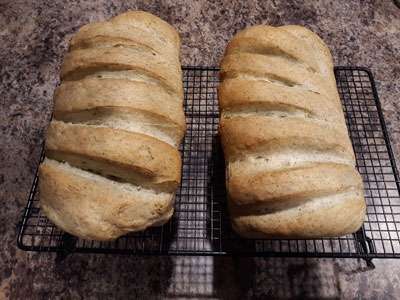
[
  {"x": 311, "y": 37},
  {"x": 288, "y": 37},
  {"x": 323, "y": 217},
  {"x": 120, "y": 25},
  {"x": 93, "y": 207},
  {"x": 151, "y": 21}
]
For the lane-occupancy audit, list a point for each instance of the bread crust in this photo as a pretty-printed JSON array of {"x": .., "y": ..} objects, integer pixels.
[
  {"x": 236, "y": 94},
  {"x": 320, "y": 217},
  {"x": 137, "y": 26},
  {"x": 252, "y": 134},
  {"x": 85, "y": 62},
  {"x": 112, "y": 162},
  {"x": 76, "y": 101},
  {"x": 154, "y": 163},
  {"x": 292, "y": 184},
  {"x": 89, "y": 93},
  {"x": 290, "y": 162},
  {"x": 263, "y": 39},
  {"x": 93, "y": 207}
]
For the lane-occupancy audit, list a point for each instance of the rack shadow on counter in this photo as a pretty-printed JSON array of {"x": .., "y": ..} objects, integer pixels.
[{"x": 200, "y": 225}]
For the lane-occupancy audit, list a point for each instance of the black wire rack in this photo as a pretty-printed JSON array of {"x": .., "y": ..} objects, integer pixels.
[{"x": 200, "y": 225}]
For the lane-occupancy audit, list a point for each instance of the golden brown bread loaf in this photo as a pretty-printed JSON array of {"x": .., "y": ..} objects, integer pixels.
[
  {"x": 290, "y": 166},
  {"x": 112, "y": 164}
]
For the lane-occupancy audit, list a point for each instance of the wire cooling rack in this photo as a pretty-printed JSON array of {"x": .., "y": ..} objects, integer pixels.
[{"x": 200, "y": 225}]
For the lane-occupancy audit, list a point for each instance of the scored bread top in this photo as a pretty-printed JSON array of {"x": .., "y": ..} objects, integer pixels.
[
  {"x": 90, "y": 99},
  {"x": 94, "y": 207},
  {"x": 271, "y": 40},
  {"x": 135, "y": 45},
  {"x": 118, "y": 121},
  {"x": 124, "y": 155},
  {"x": 326, "y": 216},
  {"x": 284, "y": 136},
  {"x": 131, "y": 28},
  {"x": 258, "y": 133},
  {"x": 136, "y": 64},
  {"x": 243, "y": 95}
]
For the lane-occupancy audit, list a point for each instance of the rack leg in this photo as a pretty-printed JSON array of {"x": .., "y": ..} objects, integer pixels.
[
  {"x": 68, "y": 243},
  {"x": 369, "y": 263},
  {"x": 366, "y": 246}
]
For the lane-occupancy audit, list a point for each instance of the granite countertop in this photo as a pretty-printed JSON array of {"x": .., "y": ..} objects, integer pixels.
[{"x": 33, "y": 39}]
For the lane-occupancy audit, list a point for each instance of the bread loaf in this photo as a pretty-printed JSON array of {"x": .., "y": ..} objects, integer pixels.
[
  {"x": 290, "y": 166},
  {"x": 112, "y": 164}
]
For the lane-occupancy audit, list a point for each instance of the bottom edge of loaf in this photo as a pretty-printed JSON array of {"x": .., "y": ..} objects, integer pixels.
[
  {"x": 92, "y": 207},
  {"x": 323, "y": 217}
]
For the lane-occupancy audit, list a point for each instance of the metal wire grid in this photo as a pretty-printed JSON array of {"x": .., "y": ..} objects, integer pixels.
[
  {"x": 375, "y": 160},
  {"x": 200, "y": 225}
]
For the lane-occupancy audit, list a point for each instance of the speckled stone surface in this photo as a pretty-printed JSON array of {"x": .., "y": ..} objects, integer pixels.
[{"x": 33, "y": 38}]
